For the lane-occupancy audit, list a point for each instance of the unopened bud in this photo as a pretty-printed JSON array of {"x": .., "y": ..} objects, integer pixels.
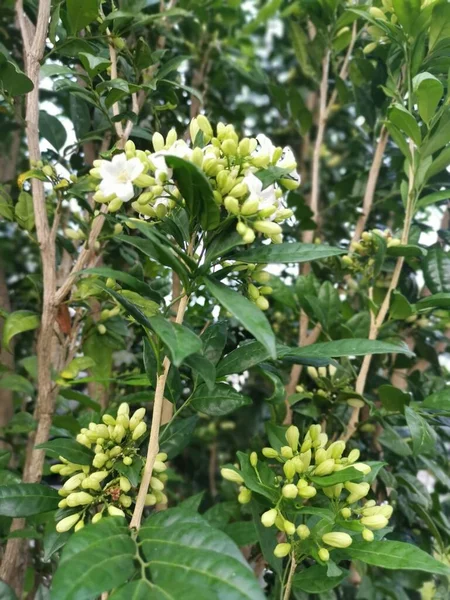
[
  {"x": 231, "y": 475},
  {"x": 337, "y": 539},
  {"x": 282, "y": 550},
  {"x": 113, "y": 511},
  {"x": 67, "y": 523},
  {"x": 268, "y": 518}
]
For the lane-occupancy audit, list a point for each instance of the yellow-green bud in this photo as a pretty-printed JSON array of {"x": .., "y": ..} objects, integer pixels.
[
  {"x": 303, "y": 532},
  {"x": 267, "y": 227},
  {"x": 139, "y": 431},
  {"x": 99, "y": 460},
  {"x": 229, "y": 147},
  {"x": 232, "y": 205},
  {"x": 124, "y": 484},
  {"x": 337, "y": 539},
  {"x": 150, "y": 500},
  {"x": 244, "y": 147},
  {"x": 239, "y": 190},
  {"x": 159, "y": 466},
  {"x": 97, "y": 517},
  {"x": 367, "y": 535},
  {"x": 353, "y": 456},
  {"x": 79, "y": 526},
  {"x": 286, "y": 452},
  {"x": 336, "y": 449},
  {"x": 245, "y": 495},
  {"x": 249, "y": 236},
  {"x": 290, "y": 491},
  {"x": 365, "y": 469},
  {"x": 269, "y": 453},
  {"x": 113, "y": 511},
  {"x": 293, "y": 437},
  {"x": 282, "y": 550},
  {"x": 156, "y": 484},
  {"x": 127, "y": 461},
  {"x": 115, "y": 205},
  {"x": 289, "y": 527},
  {"x": 231, "y": 475},
  {"x": 79, "y": 499},
  {"x": 262, "y": 303},
  {"x": 158, "y": 141},
  {"x": 325, "y": 468},
  {"x": 205, "y": 125},
  {"x": 312, "y": 372},
  {"x": 108, "y": 420},
  {"x": 253, "y": 459},
  {"x": 268, "y": 518},
  {"x": 355, "y": 402},
  {"x": 324, "y": 555},
  {"x": 322, "y": 371},
  {"x": 357, "y": 491},
  {"x": 374, "y": 522},
  {"x": 62, "y": 503},
  {"x": 67, "y": 523},
  {"x": 377, "y": 13},
  {"x": 307, "y": 492},
  {"x": 346, "y": 513},
  {"x": 125, "y": 500}
]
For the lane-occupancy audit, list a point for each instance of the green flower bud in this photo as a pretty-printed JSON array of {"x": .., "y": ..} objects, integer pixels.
[
  {"x": 171, "y": 137},
  {"x": 253, "y": 291},
  {"x": 353, "y": 456},
  {"x": 67, "y": 523},
  {"x": 336, "y": 449},
  {"x": 108, "y": 420},
  {"x": 229, "y": 147},
  {"x": 253, "y": 459},
  {"x": 127, "y": 460},
  {"x": 367, "y": 535},
  {"x": 290, "y": 491},
  {"x": 156, "y": 484},
  {"x": 357, "y": 491},
  {"x": 261, "y": 277},
  {"x": 159, "y": 466},
  {"x": 268, "y": 518},
  {"x": 325, "y": 468},
  {"x": 365, "y": 469},
  {"x": 231, "y": 475},
  {"x": 115, "y": 205},
  {"x": 205, "y": 125},
  {"x": 355, "y": 402},
  {"x": 79, "y": 526},
  {"x": 307, "y": 492},
  {"x": 346, "y": 513},
  {"x": 266, "y": 290},
  {"x": 239, "y": 190},
  {"x": 97, "y": 517},
  {"x": 249, "y": 236},
  {"x": 320, "y": 455},
  {"x": 99, "y": 460},
  {"x": 139, "y": 431},
  {"x": 289, "y": 527},
  {"x": 232, "y": 205},
  {"x": 293, "y": 436},
  {"x": 324, "y": 555},
  {"x": 374, "y": 522},
  {"x": 62, "y": 503},
  {"x": 158, "y": 141},
  {"x": 150, "y": 500},
  {"x": 160, "y": 497},
  {"x": 303, "y": 532},
  {"x": 125, "y": 500},
  {"x": 282, "y": 550},
  {"x": 74, "y": 482},
  {"x": 286, "y": 452},
  {"x": 245, "y": 495},
  {"x": 79, "y": 499},
  {"x": 124, "y": 484},
  {"x": 262, "y": 303},
  {"x": 119, "y": 433},
  {"x": 337, "y": 539},
  {"x": 322, "y": 371},
  {"x": 113, "y": 511},
  {"x": 123, "y": 420},
  {"x": 312, "y": 372},
  {"x": 267, "y": 227},
  {"x": 244, "y": 147},
  {"x": 377, "y": 13},
  {"x": 269, "y": 453}
]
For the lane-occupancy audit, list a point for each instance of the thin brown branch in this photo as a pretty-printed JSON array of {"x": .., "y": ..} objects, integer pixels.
[
  {"x": 288, "y": 588},
  {"x": 371, "y": 184}
]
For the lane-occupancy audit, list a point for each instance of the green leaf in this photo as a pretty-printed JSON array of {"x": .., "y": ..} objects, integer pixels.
[
  {"x": 407, "y": 11},
  {"x": 214, "y": 339},
  {"x": 271, "y": 175},
  {"x": 404, "y": 120},
  {"x": 348, "y": 474},
  {"x": 131, "y": 472},
  {"x": 393, "y": 399},
  {"x": 243, "y": 533},
  {"x": 93, "y": 64},
  {"x": 436, "y": 267},
  {"x": 293, "y": 252},
  {"x": 26, "y": 499},
  {"x": 267, "y": 541},
  {"x": 177, "y": 435},
  {"x": 440, "y": 137},
  {"x": 5, "y": 455},
  {"x": 171, "y": 65},
  {"x": 143, "y": 589},
  {"x": 390, "y": 439},
  {"x": 24, "y": 211},
  {"x": 53, "y": 541},
  {"x": 221, "y": 400},
  {"x": 267, "y": 11},
  {"x": 12, "y": 80},
  {"x": 314, "y": 580},
  {"x": 428, "y": 90},
  {"x": 263, "y": 482},
  {"x": 202, "y": 367},
  {"x": 180, "y": 341},
  {"x": 18, "y": 322},
  {"x": 83, "y": 399},
  {"x": 196, "y": 190},
  {"x": 396, "y": 555},
  {"x": 347, "y": 347},
  {"x": 81, "y": 13},
  {"x": 96, "y": 559},
  {"x": 6, "y": 592},
  {"x": 68, "y": 448},
  {"x": 438, "y": 401},
  {"x": 423, "y": 436},
  {"x": 52, "y": 130},
  {"x": 400, "y": 307},
  {"x": 440, "y": 25},
  {"x": 407, "y": 250},
  {"x": 251, "y": 317},
  {"x": 155, "y": 248},
  {"x": 135, "y": 284},
  {"x": 439, "y": 163},
  {"x": 245, "y": 356},
  {"x": 189, "y": 559},
  {"x": 441, "y": 300}
]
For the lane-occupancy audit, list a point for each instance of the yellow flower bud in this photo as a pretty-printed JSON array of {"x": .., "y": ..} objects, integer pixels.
[
  {"x": 377, "y": 13},
  {"x": 124, "y": 484},
  {"x": 346, "y": 513},
  {"x": 159, "y": 466},
  {"x": 67, "y": 523},
  {"x": 139, "y": 431},
  {"x": 156, "y": 484},
  {"x": 303, "y": 532},
  {"x": 150, "y": 500},
  {"x": 282, "y": 550},
  {"x": 325, "y": 468},
  {"x": 108, "y": 420},
  {"x": 62, "y": 503},
  {"x": 229, "y": 147},
  {"x": 158, "y": 141},
  {"x": 239, "y": 190},
  {"x": 336, "y": 449},
  {"x": 320, "y": 455},
  {"x": 231, "y": 475},
  {"x": 253, "y": 459},
  {"x": 293, "y": 437},
  {"x": 353, "y": 456},
  {"x": 307, "y": 492},
  {"x": 312, "y": 372},
  {"x": 115, "y": 205},
  {"x": 245, "y": 495},
  {"x": 367, "y": 535},
  {"x": 357, "y": 491},
  {"x": 249, "y": 236},
  {"x": 127, "y": 461},
  {"x": 244, "y": 147},
  {"x": 337, "y": 539},
  {"x": 324, "y": 555},
  {"x": 268, "y": 518},
  {"x": 286, "y": 452},
  {"x": 205, "y": 125},
  {"x": 290, "y": 491},
  {"x": 269, "y": 453},
  {"x": 125, "y": 500},
  {"x": 79, "y": 526},
  {"x": 374, "y": 522},
  {"x": 267, "y": 227},
  {"x": 322, "y": 371},
  {"x": 365, "y": 469},
  {"x": 232, "y": 205},
  {"x": 113, "y": 511},
  {"x": 289, "y": 527},
  {"x": 289, "y": 469},
  {"x": 262, "y": 303}
]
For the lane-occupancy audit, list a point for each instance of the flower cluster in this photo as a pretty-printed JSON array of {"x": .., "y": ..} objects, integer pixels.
[
  {"x": 312, "y": 471},
  {"x": 332, "y": 385},
  {"x": 362, "y": 258},
  {"x": 255, "y": 280},
  {"x": 104, "y": 486},
  {"x": 234, "y": 167}
]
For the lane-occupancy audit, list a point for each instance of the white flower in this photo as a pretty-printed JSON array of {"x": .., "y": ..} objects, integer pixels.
[
  {"x": 162, "y": 171},
  {"x": 287, "y": 161},
  {"x": 264, "y": 147},
  {"x": 267, "y": 197},
  {"x": 118, "y": 176}
]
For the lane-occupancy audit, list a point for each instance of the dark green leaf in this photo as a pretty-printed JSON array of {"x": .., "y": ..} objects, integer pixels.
[
  {"x": 132, "y": 282},
  {"x": 81, "y": 13},
  {"x": 438, "y": 401},
  {"x": 405, "y": 121},
  {"x": 68, "y": 448},
  {"x": 314, "y": 580},
  {"x": 293, "y": 252},
  {"x": 17, "y": 322},
  {"x": 396, "y": 555},
  {"x": 440, "y": 300},
  {"x": 203, "y": 368},
  {"x": 12, "y": 80},
  {"x": 177, "y": 435},
  {"x": 251, "y": 317},
  {"x": 180, "y": 341},
  {"x": 52, "y": 130},
  {"x": 26, "y": 499},
  {"x": 131, "y": 472},
  {"x": 408, "y": 250},
  {"x": 347, "y": 347},
  {"x": 221, "y": 400},
  {"x": 6, "y": 592},
  {"x": 436, "y": 269},
  {"x": 423, "y": 436},
  {"x": 393, "y": 399},
  {"x": 214, "y": 339},
  {"x": 348, "y": 474}
]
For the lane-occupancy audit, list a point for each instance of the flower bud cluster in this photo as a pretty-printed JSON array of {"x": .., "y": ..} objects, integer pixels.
[
  {"x": 233, "y": 166},
  {"x": 300, "y": 472},
  {"x": 362, "y": 256},
  {"x": 383, "y": 14},
  {"x": 331, "y": 385},
  {"x": 102, "y": 487}
]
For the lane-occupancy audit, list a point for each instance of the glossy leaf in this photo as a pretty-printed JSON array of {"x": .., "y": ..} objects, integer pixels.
[
  {"x": 251, "y": 317},
  {"x": 189, "y": 559},
  {"x": 436, "y": 268},
  {"x": 292, "y": 252},
  {"x": 438, "y": 401},
  {"x": 221, "y": 400},
  {"x": 348, "y": 474},
  {"x": 26, "y": 499},
  {"x": 18, "y": 322},
  {"x": 81, "y": 13},
  {"x": 177, "y": 435},
  {"x": 423, "y": 436},
  {"x": 314, "y": 580},
  {"x": 180, "y": 341},
  {"x": 68, "y": 448},
  {"x": 348, "y": 347},
  {"x": 52, "y": 130}
]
